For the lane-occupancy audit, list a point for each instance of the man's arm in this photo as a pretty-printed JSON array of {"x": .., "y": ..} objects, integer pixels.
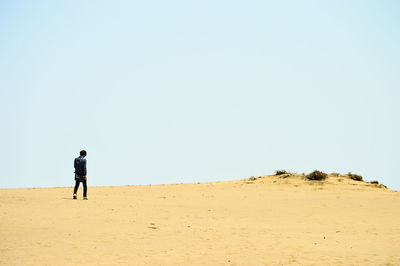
[{"x": 84, "y": 168}]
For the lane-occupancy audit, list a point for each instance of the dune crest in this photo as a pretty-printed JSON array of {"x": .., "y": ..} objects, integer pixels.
[{"x": 343, "y": 180}]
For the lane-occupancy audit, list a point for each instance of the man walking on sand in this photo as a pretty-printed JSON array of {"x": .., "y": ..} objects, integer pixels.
[{"x": 80, "y": 174}]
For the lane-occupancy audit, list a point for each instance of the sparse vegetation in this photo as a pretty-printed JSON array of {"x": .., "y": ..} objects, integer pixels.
[
  {"x": 376, "y": 183},
  {"x": 317, "y": 175},
  {"x": 281, "y": 172},
  {"x": 355, "y": 177},
  {"x": 252, "y": 178}
]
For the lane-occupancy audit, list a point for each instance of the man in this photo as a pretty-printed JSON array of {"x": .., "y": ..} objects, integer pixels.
[{"x": 80, "y": 174}]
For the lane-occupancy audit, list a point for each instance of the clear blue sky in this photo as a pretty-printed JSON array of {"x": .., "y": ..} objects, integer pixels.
[{"x": 194, "y": 91}]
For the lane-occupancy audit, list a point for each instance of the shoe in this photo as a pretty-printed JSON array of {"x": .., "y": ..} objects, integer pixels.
[
  {"x": 74, "y": 196},
  {"x": 85, "y": 198}
]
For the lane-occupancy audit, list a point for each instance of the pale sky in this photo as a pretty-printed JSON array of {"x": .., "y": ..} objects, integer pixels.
[{"x": 164, "y": 92}]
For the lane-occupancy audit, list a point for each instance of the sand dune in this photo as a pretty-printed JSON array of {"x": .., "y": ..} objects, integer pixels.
[{"x": 267, "y": 221}]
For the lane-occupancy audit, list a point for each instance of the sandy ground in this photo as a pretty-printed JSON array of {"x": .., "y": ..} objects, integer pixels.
[{"x": 269, "y": 221}]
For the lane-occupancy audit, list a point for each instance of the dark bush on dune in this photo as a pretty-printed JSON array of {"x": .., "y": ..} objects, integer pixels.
[
  {"x": 355, "y": 177},
  {"x": 281, "y": 172},
  {"x": 317, "y": 175},
  {"x": 376, "y": 183}
]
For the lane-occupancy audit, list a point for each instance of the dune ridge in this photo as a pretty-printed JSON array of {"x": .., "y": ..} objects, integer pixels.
[
  {"x": 284, "y": 177},
  {"x": 268, "y": 220}
]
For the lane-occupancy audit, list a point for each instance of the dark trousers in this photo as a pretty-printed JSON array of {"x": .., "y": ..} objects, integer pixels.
[{"x": 77, "y": 181}]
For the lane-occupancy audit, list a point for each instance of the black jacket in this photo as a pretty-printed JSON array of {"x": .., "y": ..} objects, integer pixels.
[{"x": 80, "y": 166}]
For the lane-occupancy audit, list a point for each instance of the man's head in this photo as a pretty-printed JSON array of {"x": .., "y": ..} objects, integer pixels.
[{"x": 83, "y": 153}]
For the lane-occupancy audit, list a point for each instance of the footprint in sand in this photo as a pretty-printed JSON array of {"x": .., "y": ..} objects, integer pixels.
[{"x": 152, "y": 227}]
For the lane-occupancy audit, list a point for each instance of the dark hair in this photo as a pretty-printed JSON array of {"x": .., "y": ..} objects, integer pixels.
[{"x": 83, "y": 153}]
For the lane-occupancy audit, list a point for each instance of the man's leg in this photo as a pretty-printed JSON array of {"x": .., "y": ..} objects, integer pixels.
[
  {"x": 76, "y": 186},
  {"x": 84, "y": 188}
]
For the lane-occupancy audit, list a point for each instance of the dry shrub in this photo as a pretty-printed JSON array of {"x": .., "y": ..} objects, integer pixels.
[
  {"x": 252, "y": 178},
  {"x": 317, "y": 175},
  {"x": 376, "y": 183},
  {"x": 355, "y": 177},
  {"x": 281, "y": 172}
]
